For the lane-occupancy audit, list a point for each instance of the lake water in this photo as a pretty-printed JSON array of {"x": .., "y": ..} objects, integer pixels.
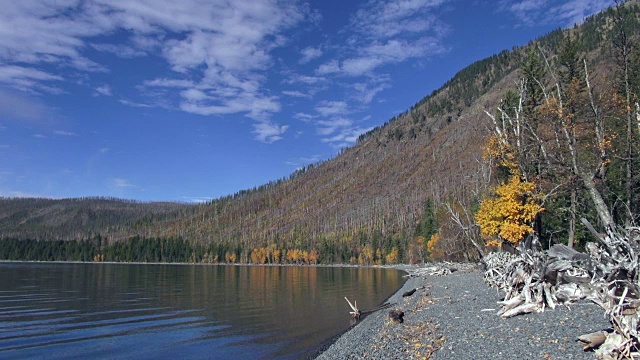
[{"x": 82, "y": 311}]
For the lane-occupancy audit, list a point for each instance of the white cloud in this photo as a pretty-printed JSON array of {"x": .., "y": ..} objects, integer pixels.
[
  {"x": 346, "y": 137},
  {"x": 64, "y": 133},
  {"x": 365, "y": 92},
  {"x": 134, "y": 104},
  {"x": 120, "y": 50},
  {"x": 385, "y": 19},
  {"x": 28, "y": 78},
  {"x": 328, "y": 127},
  {"x": 257, "y": 108},
  {"x": 329, "y": 68},
  {"x": 567, "y": 13},
  {"x": 20, "y": 107},
  {"x": 304, "y": 116},
  {"x": 576, "y": 11},
  {"x": 268, "y": 132},
  {"x": 309, "y": 54},
  {"x": 383, "y": 33},
  {"x": 305, "y": 79},
  {"x": 121, "y": 183},
  {"x": 377, "y": 54},
  {"x": 104, "y": 90},
  {"x": 296, "y": 94},
  {"x": 219, "y": 49},
  {"x": 329, "y": 108}
]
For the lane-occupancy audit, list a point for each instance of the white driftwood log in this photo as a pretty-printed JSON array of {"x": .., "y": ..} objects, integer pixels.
[{"x": 355, "y": 313}]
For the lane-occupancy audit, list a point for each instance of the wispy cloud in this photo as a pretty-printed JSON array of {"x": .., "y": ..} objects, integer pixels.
[
  {"x": 381, "y": 34},
  {"x": 64, "y": 133},
  {"x": 305, "y": 79},
  {"x": 219, "y": 48},
  {"x": 327, "y": 127},
  {"x": 365, "y": 92},
  {"x": 389, "y": 32},
  {"x": 16, "y": 106},
  {"x": 309, "y": 54},
  {"x": 104, "y": 90},
  {"x": 565, "y": 13},
  {"x": 28, "y": 79},
  {"x": 330, "y": 108},
  {"x": 345, "y": 137},
  {"x": 268, "y": 132},
  {"x": 120, "y": 50},
  {"x": 134, "y": 104},
  {"x": 121, "y": 183},
  {"x": 296, "y": 94}
]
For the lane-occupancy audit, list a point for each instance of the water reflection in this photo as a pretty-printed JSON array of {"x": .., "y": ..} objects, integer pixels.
[{"x": 161, "y": 311}]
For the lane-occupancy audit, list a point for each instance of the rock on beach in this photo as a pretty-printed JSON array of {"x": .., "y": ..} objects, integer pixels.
[{"x": 454, "y": 317}]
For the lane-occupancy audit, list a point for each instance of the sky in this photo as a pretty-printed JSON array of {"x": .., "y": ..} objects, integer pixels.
[{"x": 165, "y": 100}]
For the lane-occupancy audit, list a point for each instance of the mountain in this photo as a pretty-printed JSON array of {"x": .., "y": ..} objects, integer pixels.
[
  {"x": 75, "y": 219},
  {"x": 378, "y": 201}
]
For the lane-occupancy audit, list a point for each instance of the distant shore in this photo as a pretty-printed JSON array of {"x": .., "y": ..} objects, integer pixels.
[
  {"x": 454, "y": 316},
  {"x": 395, "y": 266}
]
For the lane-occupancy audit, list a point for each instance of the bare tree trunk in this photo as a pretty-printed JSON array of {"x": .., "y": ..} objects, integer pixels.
[
  {"x": 600, "y": 205},
  {"x": 572, "y": 223}
]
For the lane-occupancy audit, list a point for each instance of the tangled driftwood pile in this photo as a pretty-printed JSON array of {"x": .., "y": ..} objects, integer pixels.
[{"x": 608, "y": 275}]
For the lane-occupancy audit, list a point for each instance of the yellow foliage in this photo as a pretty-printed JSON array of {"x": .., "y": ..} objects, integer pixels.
[
  {"x": 259, "y": 255},
  {"x": 98, "y": 258},
  {"x": 314, "y": 256},
  {"x": 230, "y": 257},
  {"x": 275, "y": 253},
  {"x": 392, "y": 257},
  {"x": 433, "y": 246},
  {"x": 500, "y": 149},
  {"x": 366, "y": 255},
  {"x": 294, "y": 255},
  {"x": 509, "y": 215}
]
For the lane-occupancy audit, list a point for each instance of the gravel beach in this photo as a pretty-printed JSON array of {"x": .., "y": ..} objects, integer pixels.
[{"x": 454, "y": 317}]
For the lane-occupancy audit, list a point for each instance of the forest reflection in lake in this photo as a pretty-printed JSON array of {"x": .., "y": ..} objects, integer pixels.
[{"x": 185, "y": 311}]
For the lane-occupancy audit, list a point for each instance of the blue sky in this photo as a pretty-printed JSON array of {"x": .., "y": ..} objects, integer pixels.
[{"x": 191, "y": 100}]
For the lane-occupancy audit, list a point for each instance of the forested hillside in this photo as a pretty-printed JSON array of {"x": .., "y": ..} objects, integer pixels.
[
  {"x": 408, "y": 190},
  {"x": 75, "y": 219}
]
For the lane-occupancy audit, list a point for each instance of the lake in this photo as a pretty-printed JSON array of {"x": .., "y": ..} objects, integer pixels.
[{"x": 69, "y": 310}]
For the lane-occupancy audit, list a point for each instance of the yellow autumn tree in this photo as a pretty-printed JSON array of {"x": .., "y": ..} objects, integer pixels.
[
  {"x": 314, "y": 256},
  {"x": 230, "y": 257},
  {"x": 434, "y": 247},
  {"x": 392, "y": 257},
  {"x": 509, "y": 214}
]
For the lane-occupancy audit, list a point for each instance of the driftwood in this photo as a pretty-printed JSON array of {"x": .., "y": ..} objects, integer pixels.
[
  {"x": 608, "y": 275},
  {"x": 437, "y": 269},
  {"x": 592, "y": 340},
  {"x": 355, "y": 313}
]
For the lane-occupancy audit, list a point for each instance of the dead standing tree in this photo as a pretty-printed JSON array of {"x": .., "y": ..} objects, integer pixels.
[{"x": 609, "y": 274}]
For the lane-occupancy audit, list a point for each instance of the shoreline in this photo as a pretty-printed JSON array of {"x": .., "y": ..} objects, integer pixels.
[
  {"x": 326, "y": 344},
  {"x": 401, "y": 267},
  {"x": 454, "y": 316}
]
